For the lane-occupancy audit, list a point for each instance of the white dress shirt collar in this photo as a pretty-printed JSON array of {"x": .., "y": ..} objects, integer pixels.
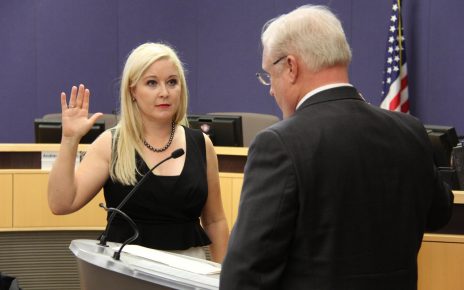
[{"x": 320, "y": 89}]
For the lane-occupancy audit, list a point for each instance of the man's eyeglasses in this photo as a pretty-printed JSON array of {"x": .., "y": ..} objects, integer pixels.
[{"x": 265, "y": 78}]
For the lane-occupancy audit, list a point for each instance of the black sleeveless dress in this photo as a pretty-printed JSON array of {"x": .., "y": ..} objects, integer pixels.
[{"x": 166, "y": 209}]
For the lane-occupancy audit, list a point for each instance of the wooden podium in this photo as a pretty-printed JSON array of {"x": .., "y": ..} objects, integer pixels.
[{"x": 98, "y": 270}]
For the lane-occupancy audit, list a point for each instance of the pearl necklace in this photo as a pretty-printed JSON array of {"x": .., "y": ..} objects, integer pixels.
[{"x": 173, "y": 130}]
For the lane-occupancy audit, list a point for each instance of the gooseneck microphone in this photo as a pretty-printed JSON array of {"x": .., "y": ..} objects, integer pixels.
[
  {"x": 117, "y": 254},
  {"x": 103, "y": 238}
]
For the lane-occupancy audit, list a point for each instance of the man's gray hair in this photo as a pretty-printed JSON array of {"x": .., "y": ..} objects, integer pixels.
[{"x": 310, "y": 32}]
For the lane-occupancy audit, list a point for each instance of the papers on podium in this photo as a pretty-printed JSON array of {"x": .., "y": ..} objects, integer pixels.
[{"x": 174, "y": 260}]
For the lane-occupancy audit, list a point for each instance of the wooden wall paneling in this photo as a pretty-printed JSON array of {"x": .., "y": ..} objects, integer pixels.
[
  {"x": 6, "y": 200},
  {"x": 30, "y": 205},
  {"x": 237, "y": 183},
  {"x": 441, "y": 266},
  {"x": 226, "y": 196}
]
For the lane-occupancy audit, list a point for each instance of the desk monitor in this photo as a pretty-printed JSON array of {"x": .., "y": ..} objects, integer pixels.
[
  {"x": 443, "y": 139},
  {"x": 223, "y": 130},
  {"x": 49, "y": 131}
]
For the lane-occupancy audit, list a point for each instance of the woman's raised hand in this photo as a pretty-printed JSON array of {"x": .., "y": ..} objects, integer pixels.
[{"x": 75, "y": 119}]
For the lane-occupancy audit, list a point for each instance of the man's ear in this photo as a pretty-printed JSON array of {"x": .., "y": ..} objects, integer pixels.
[{"x": 292, "y": 68}]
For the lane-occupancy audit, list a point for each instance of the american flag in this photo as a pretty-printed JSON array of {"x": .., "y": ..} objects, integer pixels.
[{"x": 395, "y": 81}]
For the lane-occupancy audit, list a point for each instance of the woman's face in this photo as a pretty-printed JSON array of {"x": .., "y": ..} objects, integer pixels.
[{"x": 158, "y": 91}]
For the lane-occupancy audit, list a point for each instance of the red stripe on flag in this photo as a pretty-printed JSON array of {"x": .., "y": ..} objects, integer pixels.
[
  {"x": 405, "y": 107},
  {"x": 396, "y": 101},
  {"x": 404, "y": 82}
]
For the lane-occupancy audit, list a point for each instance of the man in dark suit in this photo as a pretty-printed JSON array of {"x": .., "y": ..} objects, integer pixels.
[{"x": 339, "y": 193}]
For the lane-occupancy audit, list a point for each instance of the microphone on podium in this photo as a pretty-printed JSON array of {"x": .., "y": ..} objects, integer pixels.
[
  {"x": 103, "y": 238},
  {"x": 117, "y": 254}
]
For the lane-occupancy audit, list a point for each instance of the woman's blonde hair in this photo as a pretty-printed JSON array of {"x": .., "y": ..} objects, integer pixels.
[{"x": 128, "y": 137}]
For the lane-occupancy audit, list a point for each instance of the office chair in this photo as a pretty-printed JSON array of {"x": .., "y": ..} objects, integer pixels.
[
  {"x": 252, "y": 123},
  {"x": 110, "y": 119}
]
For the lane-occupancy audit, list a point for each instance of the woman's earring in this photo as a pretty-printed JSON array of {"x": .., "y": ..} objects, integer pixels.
[{"x": 133, "y": 99}]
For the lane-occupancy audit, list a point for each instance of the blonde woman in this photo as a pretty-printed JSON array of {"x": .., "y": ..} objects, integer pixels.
[{"x": 177, "y": 195}]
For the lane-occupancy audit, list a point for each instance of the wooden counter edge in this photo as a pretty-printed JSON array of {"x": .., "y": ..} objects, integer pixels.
[
  {"x": 30, "y": 147},
  {"x": 233, "y": 151},
  {"x": 458, "y": 197},
  {"x": 51, "y": 229},
  {"x": 443, "y": 238}
]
